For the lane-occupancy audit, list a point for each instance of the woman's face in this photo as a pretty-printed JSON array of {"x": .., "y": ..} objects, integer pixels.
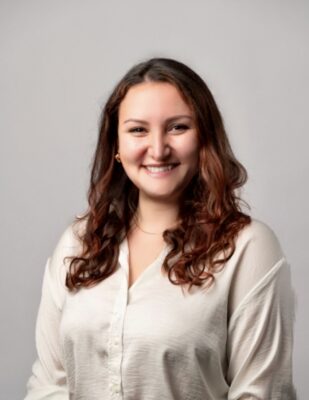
[{"x": 158, "y": 141}]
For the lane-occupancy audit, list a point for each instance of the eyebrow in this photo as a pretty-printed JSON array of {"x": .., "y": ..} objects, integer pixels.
[{"x": 167, "y": 120}]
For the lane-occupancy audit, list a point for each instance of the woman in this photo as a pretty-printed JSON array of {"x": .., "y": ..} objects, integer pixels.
[{"x": 164, "y": 289}]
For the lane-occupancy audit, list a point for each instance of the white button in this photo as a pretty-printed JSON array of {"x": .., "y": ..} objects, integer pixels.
[{"x": 116, "y": 388}]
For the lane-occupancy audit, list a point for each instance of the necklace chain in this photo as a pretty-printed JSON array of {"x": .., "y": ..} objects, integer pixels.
[{"x": 148, "y": 233}]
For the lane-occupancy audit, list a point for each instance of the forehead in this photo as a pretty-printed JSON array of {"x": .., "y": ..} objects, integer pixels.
[{"x": 153, "y": 98}]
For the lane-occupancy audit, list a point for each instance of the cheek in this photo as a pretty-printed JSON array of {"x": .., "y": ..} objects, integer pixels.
[
  {"x": 130, "y": 151},
  {"x": 191, "y": 150}
]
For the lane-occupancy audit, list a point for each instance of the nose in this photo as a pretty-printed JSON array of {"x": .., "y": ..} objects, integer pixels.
[{"x": 159, "y": 148}]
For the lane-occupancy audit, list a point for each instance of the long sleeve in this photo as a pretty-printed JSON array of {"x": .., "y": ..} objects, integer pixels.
[
  {"x": 48, "y": 379},
  {"x": 260, "y": 332}
]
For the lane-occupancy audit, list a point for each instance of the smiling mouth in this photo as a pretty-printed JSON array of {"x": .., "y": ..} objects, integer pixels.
[{"x": 160, "y": 168}]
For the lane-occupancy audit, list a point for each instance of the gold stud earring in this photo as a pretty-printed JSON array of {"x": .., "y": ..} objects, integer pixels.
[{"x": 117, "y": 157}]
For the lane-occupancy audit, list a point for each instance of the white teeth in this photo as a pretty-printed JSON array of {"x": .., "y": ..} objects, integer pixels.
[{"x": 160, "y": 169}]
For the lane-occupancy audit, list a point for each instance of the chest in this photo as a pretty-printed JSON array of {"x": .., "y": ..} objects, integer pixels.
[
  {"x": 149, "y": 328},
  {"x": 152, "y": 312},
  {"x": 142, "y": 253}
]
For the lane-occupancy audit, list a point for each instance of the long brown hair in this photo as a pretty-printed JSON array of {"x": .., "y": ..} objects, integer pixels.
[{"x": 210, "y": 212}]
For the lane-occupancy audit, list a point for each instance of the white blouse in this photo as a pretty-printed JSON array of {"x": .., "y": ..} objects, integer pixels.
[{"x": 154, "y": 341}]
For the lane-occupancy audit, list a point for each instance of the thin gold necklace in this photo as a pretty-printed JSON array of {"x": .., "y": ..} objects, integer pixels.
[{"x": 149, "y": 233}]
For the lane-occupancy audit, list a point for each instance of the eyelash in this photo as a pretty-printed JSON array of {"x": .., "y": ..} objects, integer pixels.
[{"x": 181, "y": 126}]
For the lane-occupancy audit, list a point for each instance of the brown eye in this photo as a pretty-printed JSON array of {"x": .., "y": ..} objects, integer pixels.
[
  {"x": 137, "y": 130},
  {"x": 180, "y": 127}
]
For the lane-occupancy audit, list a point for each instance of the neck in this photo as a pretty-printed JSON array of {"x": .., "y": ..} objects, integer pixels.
[{"x": 154, "y": 216}]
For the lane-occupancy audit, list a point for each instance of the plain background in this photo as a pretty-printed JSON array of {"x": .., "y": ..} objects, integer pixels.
[{"x": 60, "y": 61}]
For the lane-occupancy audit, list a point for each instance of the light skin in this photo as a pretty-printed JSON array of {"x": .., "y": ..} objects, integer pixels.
[{"x": 156, "y": 128}]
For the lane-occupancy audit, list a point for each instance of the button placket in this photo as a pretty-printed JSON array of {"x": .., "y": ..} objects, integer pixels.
[{"x": 115, "y": 347}]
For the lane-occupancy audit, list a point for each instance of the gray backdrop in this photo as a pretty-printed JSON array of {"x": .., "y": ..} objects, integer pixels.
[{"x": 59, "y": 62}]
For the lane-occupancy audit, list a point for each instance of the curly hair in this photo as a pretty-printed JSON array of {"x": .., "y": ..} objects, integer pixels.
[{"x": 210, "y": 212}]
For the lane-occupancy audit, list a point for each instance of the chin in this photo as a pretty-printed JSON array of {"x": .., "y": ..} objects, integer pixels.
[{"x": 160, "y": 196}]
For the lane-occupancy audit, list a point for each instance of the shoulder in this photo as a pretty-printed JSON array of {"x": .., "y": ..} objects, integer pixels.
[
  {"x": 68, "y": 245},
  {"x": 260, "y": 240},
  {"x": 258, "y": 254},
  {"x": 69, "y": 242}
]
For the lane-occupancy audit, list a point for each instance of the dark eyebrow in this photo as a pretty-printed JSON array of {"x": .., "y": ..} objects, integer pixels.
[{"x": 167, "y": 120}]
